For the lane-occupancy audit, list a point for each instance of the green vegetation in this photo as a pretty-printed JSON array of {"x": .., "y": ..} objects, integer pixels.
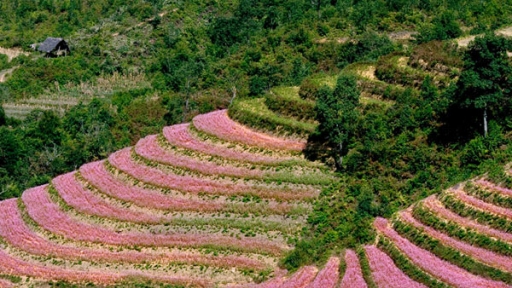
[
  {"x": 286, "y": 101},
  {"x": 43, "y": 145},
  {"x": 482, "y": 87},
  {"x": 394, "y": 69},
  {"x": 399, "y": 153},
  {"x": 337, "y": 114},
  {"x": 365, "y": 267},
  {"x": 442, "y": 27},
  {"x": 254, "y": 113}
]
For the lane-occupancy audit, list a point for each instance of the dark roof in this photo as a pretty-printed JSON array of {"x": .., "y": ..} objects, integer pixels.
[{"x": 49, "y": 44}]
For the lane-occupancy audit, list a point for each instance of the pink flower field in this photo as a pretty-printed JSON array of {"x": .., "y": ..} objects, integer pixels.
[
  {"x": 122, "y": 160},
  {"x": 18, "y": 234},
  {"x": 83, "y": 200},
  {"x": 5, "y": 284},
  {"x": 301, "y": 278},
  {"x": 97, "y": 175},
  {"x": 329, "y": 276},
  {"x": 434, "y": 205},
  {"x": 384, "y": 271},
  {"x": 48, "y": 215},
  {"x": 353, "y": 274},
  {"x": 444, "y": 271},
  {"x": 493, "y": 187},
  {"x": 179, "y": 135},
  {"x": 158, "y": 212},
  {"x": 219, "y": 124},
  {"x": 148, "y": 148},
  {"x": 15, "y": 266},
  {"x": 482, "y": 255},
  {"x": 482, "y": 205}
]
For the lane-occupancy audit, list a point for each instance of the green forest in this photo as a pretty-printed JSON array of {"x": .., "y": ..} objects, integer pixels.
[{"x": 414, "y": 130}]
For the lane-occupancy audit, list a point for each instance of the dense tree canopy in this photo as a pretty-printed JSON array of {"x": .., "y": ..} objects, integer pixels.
[
  {"x": 337, "y": 115},
  {"x": 484, "y": 85},
  {"x": 443, "y": 27}
]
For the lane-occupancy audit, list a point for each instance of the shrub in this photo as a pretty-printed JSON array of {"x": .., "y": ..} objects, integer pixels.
[{"x": 308, "y": 89}]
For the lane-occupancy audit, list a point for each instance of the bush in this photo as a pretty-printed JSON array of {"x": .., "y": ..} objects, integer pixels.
[
  {"x": 443, "y": 27},
  {"x": 308, "y": 89},
  {"x": 257, "y": 85},
  {"x": 297, "y": 108},
  {"x": 436, "y": 56},
  {"x": 2, "y": 116},
  {"x": 369, "y": 47}
]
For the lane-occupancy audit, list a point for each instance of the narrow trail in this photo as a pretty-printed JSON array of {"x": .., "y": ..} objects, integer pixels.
[
  {"x": 4, "y": 73},
  {"x": 162, "y": 14},
  {"x": 464, "y": 41},
  {"x": 12, "y": 52}
]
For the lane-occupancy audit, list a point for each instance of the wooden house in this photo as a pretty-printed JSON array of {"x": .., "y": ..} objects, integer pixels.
[{"x": 54, "y": 47}]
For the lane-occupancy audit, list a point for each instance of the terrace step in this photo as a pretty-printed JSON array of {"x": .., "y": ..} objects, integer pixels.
[
  {"x": 428, "y": 262},
  {"x": 47, "y": 214},
  {"x": 123, "y": 161},
  {"x": 433, "y": 204},
  {"x": 479, "y": 254},
  {"x": 255, "y": 114},
  {"x": 181, "y": 136},
  {"x": 353, "y": 274},
  {"x": 15, "y": 231},
  {"x": 221, "y": 126},
  {"x": 384, "y": 271}
]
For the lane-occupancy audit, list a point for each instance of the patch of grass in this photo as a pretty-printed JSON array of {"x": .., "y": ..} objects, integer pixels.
[{"x": 254, "y": 113}]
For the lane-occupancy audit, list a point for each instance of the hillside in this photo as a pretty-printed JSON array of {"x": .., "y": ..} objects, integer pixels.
[
  {"x": 256, "y": 144},
  {"x": 213, "y": 202},
  {"x": 206, "y": 203},
  {"x": 221, "y": 200}
]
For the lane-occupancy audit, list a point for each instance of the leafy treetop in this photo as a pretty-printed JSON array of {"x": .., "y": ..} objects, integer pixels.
[{"x": 484, "y": 83}]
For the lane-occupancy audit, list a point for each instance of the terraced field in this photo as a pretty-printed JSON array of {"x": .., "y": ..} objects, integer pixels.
[
  {"x": 217, "y": 202},
  {"x": 460, "y": 238},
  {"x": 210, "y": 203},
  {"x": 69, "y": 95},
  {"x": 203, "y": 204}
]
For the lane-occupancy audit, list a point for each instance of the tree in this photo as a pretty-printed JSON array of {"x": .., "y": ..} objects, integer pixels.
[
  {"x": 234, "y": 81},
  {"x": 443, "y": 27},
  {"x": 190, "y": 72},
  {"x": 2, "y": 116},
  {"x": 11, "y": 150},
  {"x": 484, "y": 82},
  {"x": 225, "y": 31},
  {"x": 337, "y": 115}
]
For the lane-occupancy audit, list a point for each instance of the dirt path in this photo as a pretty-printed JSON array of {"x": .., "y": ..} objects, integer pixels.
[
  {"x": 507, "y": 31},
  {"x": 4, "y": 73},
  {"x": 12, "y": 52},
  {"x": 464, "y": 42},
  {"x": 162, "y": 14},
  {"x": 369, "y": 72}
]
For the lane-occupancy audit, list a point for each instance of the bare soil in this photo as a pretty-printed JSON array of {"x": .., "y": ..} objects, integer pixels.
[
  {"x": 5, "y": 73},
  {"x": 12, "y": 52},
  {"x": 369, "y": 72},
  {"x": 464, "y": 42}
]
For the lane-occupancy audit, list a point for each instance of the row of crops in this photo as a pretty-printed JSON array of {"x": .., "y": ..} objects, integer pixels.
[{"x": 202, "y": 204}]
